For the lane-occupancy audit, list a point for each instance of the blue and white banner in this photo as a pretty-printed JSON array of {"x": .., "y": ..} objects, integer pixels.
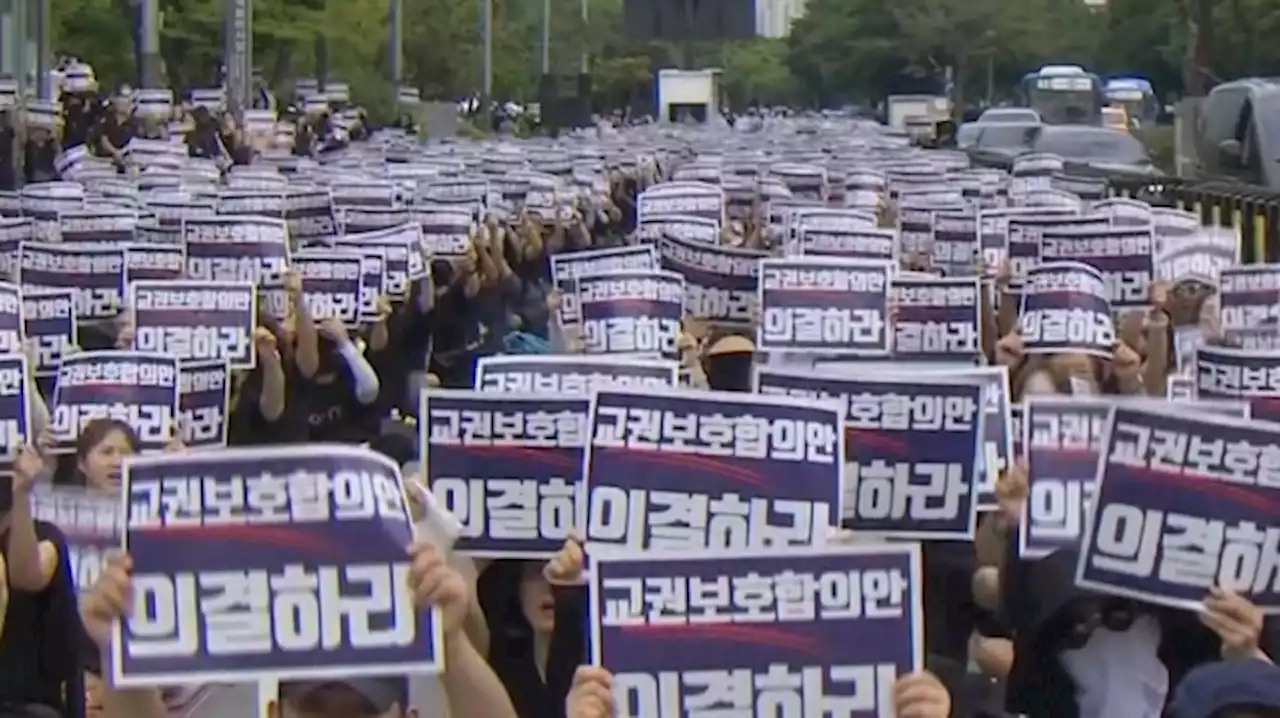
[
  {"x": 204, "y": 395},
  {"x": 196, "y": 320},
  {"x": 1065, "y": 309},
  {"x": 1064, "y": 436},
  {"x": 96, "y": 275},
  {"x": 679, "y": 468},
  {"x": 331, "y": 284},
  {"x": 508, "y": 467},
  {"x": 235, "y": 249},
  {"x": 936, "y": 319},
  {"x": 1184, "y": 503},
  {"x": 571, "y": 375},
  {"x": 693, "y": 199},
  {"x": 1122, "y": 255},
  {"x": 138, "y": 388},
  {"x": 824, "y": 305},
  {"x": 317, "y": 590},
  {"x": 153, "y": 261},
  {"x": 566, "y": 267},
  {"x": 401, "y": 249},
  {"x": 720, "y": 282},
  {"x": 794, "y": 632},
  {"x": 1252, "y": 375},
  {"x": 49, "y": 320},
  {"x": 89, "y": 519},
  {"x": 11, "y": 329},
  {"x": 15, "y": 404},
  {"x": 1249, "y": 306},
  {"x": 631, "y": 312},
  {"x": 912, "y": 446},
  {"x": 869, "y": 243},
  {"x": 1026, "y": 232},
  {"x": 956, "y": 251}
]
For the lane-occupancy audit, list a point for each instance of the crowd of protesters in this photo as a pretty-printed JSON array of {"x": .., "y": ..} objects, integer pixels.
[{"x": 515, "y": 636}]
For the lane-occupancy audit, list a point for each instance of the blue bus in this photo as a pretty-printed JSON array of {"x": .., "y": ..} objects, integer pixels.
[
  {"x": 1136, "y": 96},
  {"x": 1064, "y": 95}
]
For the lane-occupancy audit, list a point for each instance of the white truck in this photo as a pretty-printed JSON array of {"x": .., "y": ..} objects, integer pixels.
[
  {"x": 688, "y": 95},
  {"x": 900, "y": 107}
]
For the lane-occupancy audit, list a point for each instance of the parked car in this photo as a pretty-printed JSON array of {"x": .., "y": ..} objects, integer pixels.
[
  {"x": 1237, "y": 133},
  {"x": 1009, "y": 115}
]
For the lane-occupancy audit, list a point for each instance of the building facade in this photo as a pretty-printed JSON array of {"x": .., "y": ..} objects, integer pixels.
[{"x": 774, "y": 17}]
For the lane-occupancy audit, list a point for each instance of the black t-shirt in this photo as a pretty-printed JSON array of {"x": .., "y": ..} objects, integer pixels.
[
  {"x": 41, "y": 643},
  {"x": 328, "y": 401},
  {"x": 80, "y": 115},
  {"x": 117, "y": 130},
  {"x": 408, "y": 338},
  {"x": 247, "y": 426},
  {"x": 40, "y": 163}
]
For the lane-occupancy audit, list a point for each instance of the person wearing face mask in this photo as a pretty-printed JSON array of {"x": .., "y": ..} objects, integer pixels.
[
  {"x": 535, "y": 618},
  {"x": 40, "y": 674},
  {"x": 1077, "y": 654}
]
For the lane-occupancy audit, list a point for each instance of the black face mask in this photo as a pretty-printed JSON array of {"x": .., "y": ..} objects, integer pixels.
[{"x": 730, "y": 371}]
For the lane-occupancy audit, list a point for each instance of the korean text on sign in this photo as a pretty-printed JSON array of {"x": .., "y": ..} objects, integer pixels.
[
  {"x": 569, "y": 375},
  {"x": 89, "y": 519},
  {"x": 1064, "y": 436},
  {"x": 1185, "y": 502},
  {"x": 195, "y": 320},
  {"x": 631, "y": 312},
  {"x": 799, "y": 632},
  {"x": 936, "y": 319},
  {"x": 137, "y": 388},
  {"x": 204, "y": 395},
  {"x": 824, "y": 305},
  {"x": 693, "y": 469},
  {"x": 317, "y": 587},
  {"x": 1065, "y": 308},
  {"x": 15, "y": 404},
  {"x": 912, "y": 443},
  {"x": 508, "y": 467}
]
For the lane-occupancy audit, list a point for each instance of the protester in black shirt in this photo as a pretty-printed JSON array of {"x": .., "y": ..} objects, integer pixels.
[
  {"x": 81, "y": 112},
  {"x": 234, "y": 143},
  {"x": 261, "y": 412},
  {"x": 39, "y": 629},
  {"x": 115, "y": 130},
  {"x": 202, "y": 139},
  {"x": 40, "y": 150}
]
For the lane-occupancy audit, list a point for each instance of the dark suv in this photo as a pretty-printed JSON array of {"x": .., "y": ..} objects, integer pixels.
[{"x": 1238, "y": 133}]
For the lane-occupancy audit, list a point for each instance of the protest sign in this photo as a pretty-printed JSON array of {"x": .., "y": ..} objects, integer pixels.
[
  {"x": 955, "y": 242},
  {"x": 936, "y": 319},
  {"x": 49, "y": 321},
  {"x": 146, "y": 262},
  {"x": 319, "y": 590},
  {"x": 566, "y": 267},
  {"x": 1252, "y": 375},
  {"x": 1122, "y": 256},
  {"x": 631, "y": 311},
  {"x": 11, "y": 329},
  {"x": 95, "y": 275},
  {"x": 15, "y": 405},
  {"x": 678, "y": 468},
  {"x": 1249, "y": 306},
  {"x": 786, "y": 632},
  {"x": 90, "y": 521},
  {"x": 823, "y": 305},
  {"x": 235, "y": 249},
  {"x": 868, "y": 243},
  {"x": 1063, "y": 438},
  {"x": 204, "y": 394},
  {"x": 196, "y": 320},
  {"x": 720, "y": 281},
  {"x": 331, "y": 284},
  {"x": 1026, "y": 231},
  {"x": 1065, "y": 309},
  {"x": 507, "y": 466},
  {"x": 571, "y": 375},
  {"x": 912, "y": 442},
  {"x": 1185, "y": 503},
  {"x": 137, "y": 388},
  {"x": 694, "y": 199},
  {"x": 401, "y": 249}
]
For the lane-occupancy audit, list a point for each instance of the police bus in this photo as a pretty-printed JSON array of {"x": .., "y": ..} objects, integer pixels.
[
  {"x": 1064, "y": 94},
  {"x": 1136, "y": 96}
]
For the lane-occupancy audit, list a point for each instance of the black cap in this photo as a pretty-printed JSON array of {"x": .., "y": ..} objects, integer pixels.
[{"x": 380, "y": 692}]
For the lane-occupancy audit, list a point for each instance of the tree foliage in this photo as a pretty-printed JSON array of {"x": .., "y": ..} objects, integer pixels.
[{"x": 840, "y": 51}]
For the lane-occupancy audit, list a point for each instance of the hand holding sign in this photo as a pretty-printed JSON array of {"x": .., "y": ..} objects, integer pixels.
[
  {"x": 591, "y": 695},
  {"x": 27, "y": 467},
  {"x": 565, "y": 568},
  {"x": 434, "y": 583},
  {"x": 110, "y": 601},
  {"x": 1236, "y": 621},
  {"x": 920, "y": 695},
  {"x": 1009, "y": 349},
  {"x": 1011, "y": 493}
]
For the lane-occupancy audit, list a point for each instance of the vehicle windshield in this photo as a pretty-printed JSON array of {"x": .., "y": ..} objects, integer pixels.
[
  {"x": 967, "y": 135},
  {"x": 1092, "y": 145},
  {"x": 1065, "y": 107},
  {"x": 1006, "y": 136}
]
